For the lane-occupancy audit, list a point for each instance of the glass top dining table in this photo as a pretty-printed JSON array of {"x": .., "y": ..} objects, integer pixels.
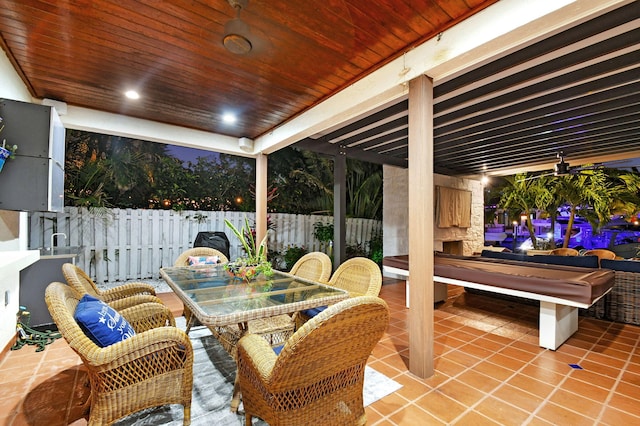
[{"x": 216, "y": 298}]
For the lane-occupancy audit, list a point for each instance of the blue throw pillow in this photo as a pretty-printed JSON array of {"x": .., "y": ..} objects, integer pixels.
[
  {"x": 100, "y": 322},
  {"x": 314, "y": 311}
]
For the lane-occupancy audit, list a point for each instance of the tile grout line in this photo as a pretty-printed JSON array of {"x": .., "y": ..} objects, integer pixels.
[
  {"x": 451, "y": 378},
  {"x": 503, "y": 383},
  {"x": 564, "y": 379},
  {"x": 623, "y": 370}
]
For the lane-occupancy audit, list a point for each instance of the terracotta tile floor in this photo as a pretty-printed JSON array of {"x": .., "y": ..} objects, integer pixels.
[{"x": 488, "y": 370}]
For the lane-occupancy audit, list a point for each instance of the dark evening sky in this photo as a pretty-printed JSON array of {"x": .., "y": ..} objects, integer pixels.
[{"x": 189, "y": 154}]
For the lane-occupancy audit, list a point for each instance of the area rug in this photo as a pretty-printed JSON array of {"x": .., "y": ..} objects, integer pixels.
[{"x": 214, "y": 373}]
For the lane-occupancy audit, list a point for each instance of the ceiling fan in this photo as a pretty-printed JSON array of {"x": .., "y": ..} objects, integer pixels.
[
  {"x": 562, "y": 168},
  {"x": 236, "y": 31},
  {"x": 238, "y": 37}
]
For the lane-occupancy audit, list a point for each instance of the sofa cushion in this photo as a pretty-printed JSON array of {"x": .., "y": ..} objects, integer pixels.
[
  {"x": 580, "y": 261},
  {"x": 100, "y": 322},
  {"x": 621, "y": 265},
  {"x": 502, "y": 255}
]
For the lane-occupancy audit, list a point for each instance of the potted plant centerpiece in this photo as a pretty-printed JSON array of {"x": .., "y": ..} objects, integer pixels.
[{"x": 255, "y": 260}]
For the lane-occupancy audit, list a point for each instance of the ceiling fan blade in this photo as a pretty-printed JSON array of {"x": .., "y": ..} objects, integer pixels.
[{"x": 535, "y": 177}]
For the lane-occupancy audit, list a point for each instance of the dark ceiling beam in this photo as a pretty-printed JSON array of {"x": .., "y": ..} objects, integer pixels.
[
  {"x": 319, "y": 146},
  {"x": 590, "y": 74},
  {"x": 618, "y": 143},
  {"x": 378, "y": 130},
  {"x": 390, "y": 111},
  {"x": 554, "y": 128},
  {"x": 534, "y": 115},
  {"x": 398, "y": 148},
  {"x": 400, "y": 136}
]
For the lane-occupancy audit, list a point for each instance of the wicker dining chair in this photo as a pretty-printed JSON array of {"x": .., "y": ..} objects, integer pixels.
[
  {"x": 183, "y": 260},
  {"x": 314, "y": 266},
  {"x": 120, "y": 297},
  {"x": 359, "y": 276},
  {"x": 154, "y": 367},
  {"x": 565, "y": 251},
  {"x": 318, "y": 376}
]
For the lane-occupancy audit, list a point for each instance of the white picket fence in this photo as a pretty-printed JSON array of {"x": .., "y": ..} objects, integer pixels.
[{"x": 126, "y": 244}]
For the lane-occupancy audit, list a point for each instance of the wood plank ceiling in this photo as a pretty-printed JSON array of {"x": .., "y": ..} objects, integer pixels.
[
  {"x": 576, "y": 91},
  {"x": 88, "y": 52}
]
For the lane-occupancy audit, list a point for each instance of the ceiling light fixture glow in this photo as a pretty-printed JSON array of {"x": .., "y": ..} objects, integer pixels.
[
  {"x": 229, "y": 118},
  {"x": 132, "y": 94}
]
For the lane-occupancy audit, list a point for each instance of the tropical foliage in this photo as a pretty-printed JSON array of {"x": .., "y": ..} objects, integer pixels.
[
  {"x": 111, "y": 171},
  {"x": 593, "y": 194}
]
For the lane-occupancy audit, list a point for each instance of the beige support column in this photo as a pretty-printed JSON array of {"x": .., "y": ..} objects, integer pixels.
[
  {"x": 421, "y": 192},
  {"x": 261, "y": 197}
]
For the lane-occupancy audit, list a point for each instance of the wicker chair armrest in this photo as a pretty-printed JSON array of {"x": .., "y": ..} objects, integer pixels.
[
  {"x": 147, "y": 316},
  {"x": 128, "y": 289},
  {"x": 127, "y": 302},
  {"x": 142, "y": 346},
  {"x": 258, "y": 355},
  {"x": 374, "y": 288}
]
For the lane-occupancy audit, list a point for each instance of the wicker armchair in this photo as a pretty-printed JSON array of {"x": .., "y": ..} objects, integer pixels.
[
  {"x": 183, "y": 260},
  {"x": 152, "y": 368},
  {"x": 319, "y": 375},
  {"x": 565, "y": 251},
  {"x": 121, "y": 297},
  {"x": 359, "y": 276}
]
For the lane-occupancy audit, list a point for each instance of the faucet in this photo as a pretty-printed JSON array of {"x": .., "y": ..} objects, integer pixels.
[{"x": 54, "y": 235}]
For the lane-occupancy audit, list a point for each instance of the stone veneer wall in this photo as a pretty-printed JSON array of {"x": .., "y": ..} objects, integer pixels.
[{"x": 395, "y": 213}]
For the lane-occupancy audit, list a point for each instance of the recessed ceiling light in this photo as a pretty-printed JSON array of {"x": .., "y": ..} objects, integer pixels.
[
  {"x": 229, "y": 118},
  {"x": 132, "y": 94}
]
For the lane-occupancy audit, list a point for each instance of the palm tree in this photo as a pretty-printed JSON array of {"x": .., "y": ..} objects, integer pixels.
[
  {"x": 521, "y": 195},
  {"x": 364, "y": 189},
  {"x": 595, "y": 194},
  {"x": 627, "y": 193},
  {"x": 598, "y": 194},
  {"x": 548, "y": 202}
]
